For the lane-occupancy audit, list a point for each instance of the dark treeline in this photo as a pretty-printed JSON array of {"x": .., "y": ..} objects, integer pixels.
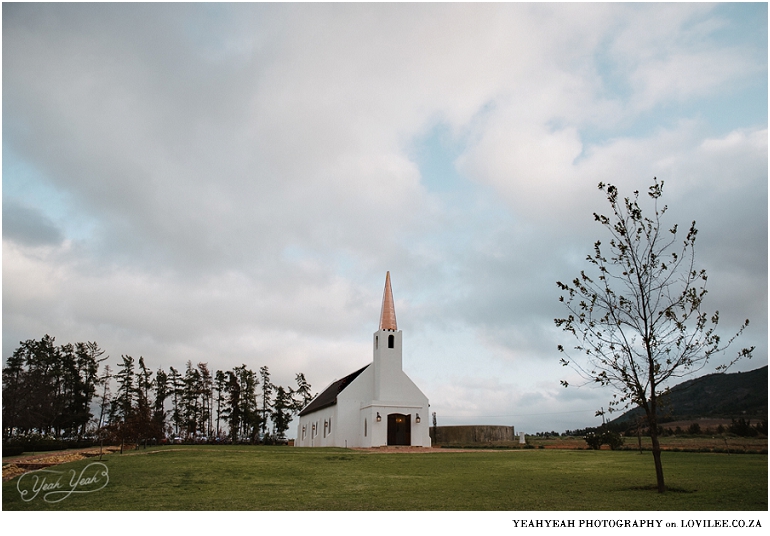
[
  {"x": 60, "y": 392},
  {"x": 738, "y": 427}
]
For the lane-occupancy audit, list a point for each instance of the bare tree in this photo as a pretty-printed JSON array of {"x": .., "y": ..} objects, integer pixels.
[
  {"x": 106, "y": 395},
  {"x": 638, "y": 315}
]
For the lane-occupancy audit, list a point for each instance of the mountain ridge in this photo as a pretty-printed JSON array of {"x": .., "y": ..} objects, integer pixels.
[{"x": 717, "y": 395}]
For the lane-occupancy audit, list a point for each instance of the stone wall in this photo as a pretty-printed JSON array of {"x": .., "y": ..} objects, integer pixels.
[{"x": 471, "y": 434}]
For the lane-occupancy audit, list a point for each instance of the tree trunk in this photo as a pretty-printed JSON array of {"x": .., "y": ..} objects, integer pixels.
[{"x": 656, "y": 457}]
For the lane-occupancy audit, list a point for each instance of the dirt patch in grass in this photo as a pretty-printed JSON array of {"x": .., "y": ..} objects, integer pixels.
[
  {"x": 22, "y": 464},
  {"x": 11, "y": 471}
]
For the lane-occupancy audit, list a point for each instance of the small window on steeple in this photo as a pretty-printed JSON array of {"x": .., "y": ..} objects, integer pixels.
[{"x": 391, "y": 341}]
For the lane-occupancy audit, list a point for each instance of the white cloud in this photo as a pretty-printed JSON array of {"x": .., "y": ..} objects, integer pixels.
[{"x": 686, "y": 76}]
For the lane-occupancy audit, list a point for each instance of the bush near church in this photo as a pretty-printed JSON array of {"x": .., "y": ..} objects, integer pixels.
[{"x": 607, "y": 437}]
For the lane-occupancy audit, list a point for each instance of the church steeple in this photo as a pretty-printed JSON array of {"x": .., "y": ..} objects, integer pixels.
[
  {"x": 387, "y": 349},
  {"x": 388, "y": 312}
]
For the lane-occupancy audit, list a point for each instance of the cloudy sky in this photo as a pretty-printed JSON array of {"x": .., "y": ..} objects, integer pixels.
[{"x": 230, "y": 183}]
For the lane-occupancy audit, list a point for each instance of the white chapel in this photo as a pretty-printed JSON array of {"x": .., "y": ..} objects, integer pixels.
[{"x": 375, "y": 406}]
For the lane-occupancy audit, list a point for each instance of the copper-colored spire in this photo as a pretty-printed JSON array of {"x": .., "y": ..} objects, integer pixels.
[{"x": 388, "y": 313}]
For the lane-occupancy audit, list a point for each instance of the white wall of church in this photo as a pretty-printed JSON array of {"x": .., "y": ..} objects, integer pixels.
[
  {"x": 317, "y": 429},
  {"x": 352, "y": 421},
  {"x": 358, "y": 416},
  {"x": 387, "y": 364},
  {"x": 378, "y": 430},
  {"x": 351, "y": 400}
]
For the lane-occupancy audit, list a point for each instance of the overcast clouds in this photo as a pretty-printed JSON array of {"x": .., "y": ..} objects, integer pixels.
[{"x": 230, "y": 183}]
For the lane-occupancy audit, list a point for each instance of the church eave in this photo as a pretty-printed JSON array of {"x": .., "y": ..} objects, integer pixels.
[
  {"x": 308, "y": 410},
  {"x": 329, "y": 396}
]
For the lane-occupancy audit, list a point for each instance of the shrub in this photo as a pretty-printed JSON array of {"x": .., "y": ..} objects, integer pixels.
[
  {"x": 593, "y": 440},
  {"x": 613, "y": 439},
  {"x": 743, "y": 428},
  {"x": 12, "y": 450},
  {"x": 608, "y": 437}
]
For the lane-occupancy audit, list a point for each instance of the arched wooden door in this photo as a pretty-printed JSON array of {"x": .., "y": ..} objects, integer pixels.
[{"x": 399, "y": 429}]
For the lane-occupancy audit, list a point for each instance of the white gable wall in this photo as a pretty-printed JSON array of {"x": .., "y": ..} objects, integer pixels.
[{"x": 349, "y": 402}]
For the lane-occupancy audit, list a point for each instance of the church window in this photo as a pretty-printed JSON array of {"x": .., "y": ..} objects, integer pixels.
[
  {"x": 364, "y": 427},
  {"x": 391, "y": 340},
  {"x": 304, "y": 430},
  {"x": 376, "y": 342}
]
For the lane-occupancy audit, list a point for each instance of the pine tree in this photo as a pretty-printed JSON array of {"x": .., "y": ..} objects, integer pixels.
[
  {"x": 267, "y": 391},
  {"x": 177, "y": 387},
  {"x": 283, "y": 408},
  {"x": 205, "y": 388},
  {"x": 126, "y": 388},
  {"x": 89, "y": 356},
  {"x": 221, "y": 385},
  {"x": 15, "y": 398},
  {"x": 302, "y": 394},
  {"x": 159, "y": 407}
]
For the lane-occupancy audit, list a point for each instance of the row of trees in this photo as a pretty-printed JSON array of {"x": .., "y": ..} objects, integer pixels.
[
  {"x": 50, "y": 388},
  {"x": 58, "y": 391},
  {"x": 739, "y": 427}
]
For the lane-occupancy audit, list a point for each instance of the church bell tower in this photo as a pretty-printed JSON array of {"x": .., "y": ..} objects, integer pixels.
[{"x": 387, "y": 348}]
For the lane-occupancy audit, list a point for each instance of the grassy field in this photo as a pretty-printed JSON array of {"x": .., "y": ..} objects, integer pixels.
[{"x": 282, "y": 478}]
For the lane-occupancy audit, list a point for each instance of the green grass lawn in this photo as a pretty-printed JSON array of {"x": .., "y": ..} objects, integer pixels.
[{"x": 284, "y": 478}]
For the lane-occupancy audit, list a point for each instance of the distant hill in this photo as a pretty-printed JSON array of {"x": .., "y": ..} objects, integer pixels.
[{"x": 739, "y": 394}]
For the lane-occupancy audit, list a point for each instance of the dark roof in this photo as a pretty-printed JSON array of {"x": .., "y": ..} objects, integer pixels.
[{"x": 329, "y": 396}]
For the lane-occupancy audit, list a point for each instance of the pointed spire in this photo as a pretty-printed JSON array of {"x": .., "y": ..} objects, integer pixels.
[{"x": 388, "y": 313}]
